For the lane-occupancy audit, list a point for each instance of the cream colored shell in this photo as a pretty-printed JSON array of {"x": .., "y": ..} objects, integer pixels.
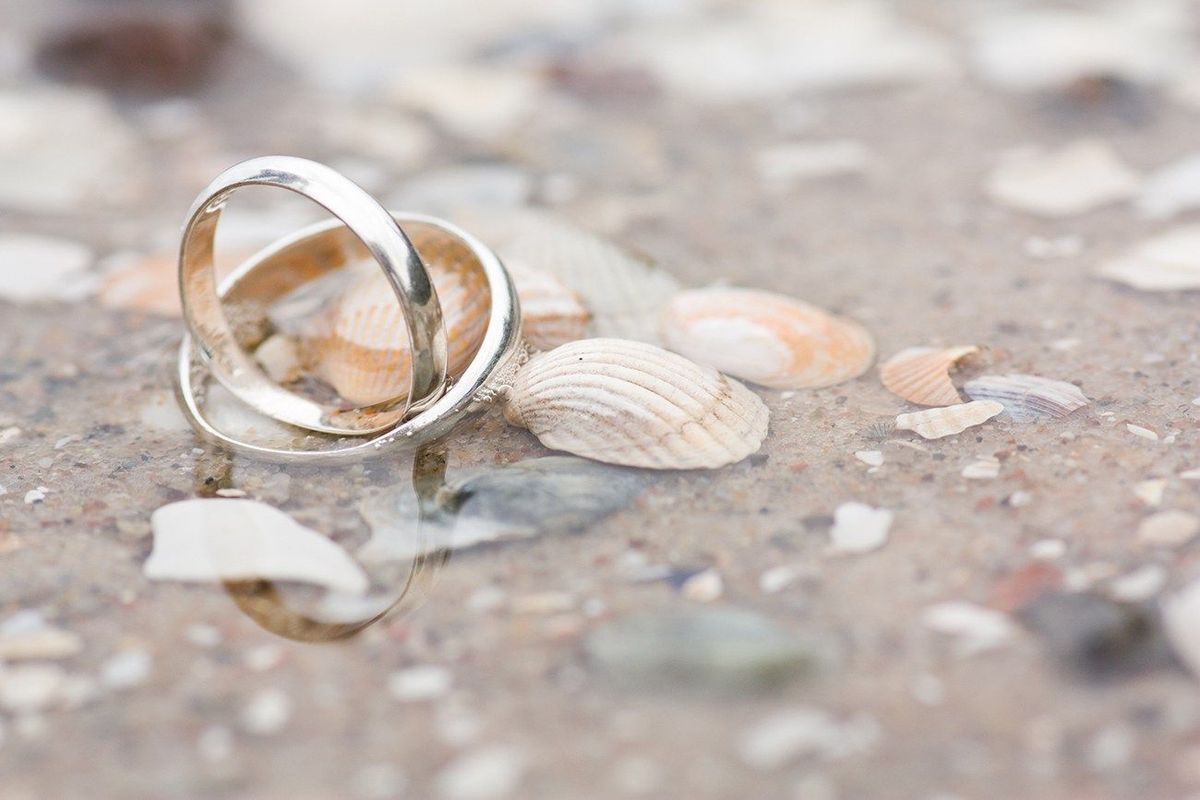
[
  {"x": 631, "y": 403},
  {"x": 551, "y": 313},
  {"x": 921, "y": 375},
  {"x": 934, "y": 423},
  {"x": 766, "y": 338}
]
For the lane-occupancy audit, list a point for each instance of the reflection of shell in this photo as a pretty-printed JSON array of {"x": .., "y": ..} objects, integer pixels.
[
  {"x": 934, "y": 423},
  {"x": 921, "y": 374},
  {"x": 1028, "y": 397},
  {"x": 631, "y": 403},
  {"x": 352, "y": 333},
  {"x": 766, "y": 338},
  {"x": 551, "y": 313},
  {"x": 624, "y": 293}
]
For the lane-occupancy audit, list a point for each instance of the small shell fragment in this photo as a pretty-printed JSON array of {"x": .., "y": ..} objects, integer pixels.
[
  {"x": 1168, "y": 262},
  {"x": 934, "y": 423},
  {"x": 1028, "y": 397},
  {"x": 921, "y": 375},
  {"x": 551, "y": 313},
  {"x": 626, "y": 402},
  {"x": 766, "y": 338}
]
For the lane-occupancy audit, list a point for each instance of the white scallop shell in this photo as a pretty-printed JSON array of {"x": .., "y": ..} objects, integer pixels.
[
  {"x": 934, "y": 423},
  {"x": 631, "y": 403},
  {"x": 1028, "y": 397},
  {"x": 767, "y": 338},
  {"x": 551, "y": 313},
  {"x": 623, "y": 292}
]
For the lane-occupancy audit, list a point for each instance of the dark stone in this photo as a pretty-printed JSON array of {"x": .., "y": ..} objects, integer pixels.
[{"x": 1098, "y": 637}]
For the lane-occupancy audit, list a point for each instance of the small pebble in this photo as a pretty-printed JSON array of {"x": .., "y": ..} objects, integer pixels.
[
  {"x": 1151, "y": 491},
  {"x": 1168, "y": 528},
  {"x": 420, "y": 683},
  {"x": 126, "y": 670},
  {"x": 703, "y": 587},
  {"x": 32, "y": 687},
  {"x": 488, "y": 773},
  {"x": 267, "y": 713},
  {"x": 975, "y": 629},
  {"x": 872, "y": 458},
  {"x": 859, "y": 528},
  {"x": 788, "y": 736},
  {"x": 1142, "y": 584}
]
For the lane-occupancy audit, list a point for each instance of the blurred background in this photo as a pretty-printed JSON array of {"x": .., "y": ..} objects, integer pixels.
[{"x": 944, "y": 172}]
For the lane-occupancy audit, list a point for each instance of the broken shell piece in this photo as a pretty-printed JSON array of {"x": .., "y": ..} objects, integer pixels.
[
  {"x": 921, "y": 375},
  {"x": 934, "y": 423},
  {"x": 230, "y": 540},
  {"x": 1028, "y": 397},
  {"x": 766, "y": 338},
  {"x": 626, "y": 402},
  {"x": 1075, "y": 179},
  {"x": 551, "y": 313},
  {"x": 1165, "y": 263}
]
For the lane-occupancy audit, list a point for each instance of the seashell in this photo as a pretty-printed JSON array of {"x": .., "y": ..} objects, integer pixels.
[
  {"x": 921, "y": 375},
  {"x": 209, "y": 540},
  {"x": 1075, "y": 179},
  {"x": 623, "y": 292},
  {"x": 766, "y": 338},
  {"x": 1027, "y": 397},
  {"x": 351, "y": 329},
  {"x": 631, "y": 403},
  {"x": 551, "y": 313},
  {"x": 934, "y": 423},
  {"x": 1165, "y": 263}
]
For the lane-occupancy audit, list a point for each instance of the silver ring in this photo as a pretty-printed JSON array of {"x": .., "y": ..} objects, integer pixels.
[
  {"x": 385, "y": 241},
  {"x": 296, "y": 258}
]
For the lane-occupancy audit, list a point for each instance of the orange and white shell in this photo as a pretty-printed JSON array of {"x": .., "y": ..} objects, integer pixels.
[
  {"x": 921, "y": 375},
  {"x": 631, "y": 403},
  {"x": 359, "y": 343},
  {"x": 551, "y": 313},
  {"x": 766, "y": 338},
  {"x": 934, "y": 423}
]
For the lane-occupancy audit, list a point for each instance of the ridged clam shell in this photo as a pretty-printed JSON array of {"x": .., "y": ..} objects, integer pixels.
[
  {"x": 551, "y": 313},
  {"x": 921, "y": 375},
  {"x": 623, "y": 292},
  {"x": 1028, "y": 397},
  {"x": 766, "y": 338},
  {"x": 631, "y": 403},
  {"x": 934, "y": 423},
  {"x": 351, "y": 330}
]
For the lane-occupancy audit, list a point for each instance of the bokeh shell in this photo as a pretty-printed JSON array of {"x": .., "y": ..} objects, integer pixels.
[
  {"x": 1028, "y": 397},
  {"x": 921, "y": 375},
  {"x": 631, "y": 403},
  {"x": 551, "y": 313},
  {"x": 766, "y": 338},
  {"x": 934, "y": 423}
]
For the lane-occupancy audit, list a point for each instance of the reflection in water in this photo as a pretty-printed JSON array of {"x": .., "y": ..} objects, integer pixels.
[
  {"x": 282, "y": 610},
  {"x": 415, "y": 523}
]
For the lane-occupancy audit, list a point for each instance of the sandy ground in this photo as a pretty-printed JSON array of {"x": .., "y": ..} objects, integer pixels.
[{"x": 910, "y": 246}]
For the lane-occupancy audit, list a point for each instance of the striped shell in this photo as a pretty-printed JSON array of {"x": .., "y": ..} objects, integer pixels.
[
  {"x": 934, "y": 423},
  {"x": 1028, "y": 397},
  {"x": 766, "y": 338},
  {"x": 551, "y": 313},
  {"x": 921, "y": 375},
  {"x": 356, "y": 340},
  {"x": 623, "y": 291},
  {"x": 631, "y": 403}
]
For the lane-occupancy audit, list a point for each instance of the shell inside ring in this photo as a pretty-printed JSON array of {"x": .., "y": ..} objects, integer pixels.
[{"x": 287, "y": 264}]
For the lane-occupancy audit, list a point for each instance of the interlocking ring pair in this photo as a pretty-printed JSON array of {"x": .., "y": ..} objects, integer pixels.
[{"x": 435, "y": 401}]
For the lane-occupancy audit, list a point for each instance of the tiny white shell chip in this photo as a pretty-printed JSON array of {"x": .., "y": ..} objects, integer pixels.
[
  {"x": 209, "y": 540},
  {"x": 1165, "y": 263},
  {"x": 859, "y": 528},
  {"x": 977, "y": 629},
  {"x": 934, "y": 423},
  {"x": 632, "y": 403},
  {"x": 1028, "y": 397},
  {"x": 1078, "y": 178},
  {"x": 767, "y": 338}
]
